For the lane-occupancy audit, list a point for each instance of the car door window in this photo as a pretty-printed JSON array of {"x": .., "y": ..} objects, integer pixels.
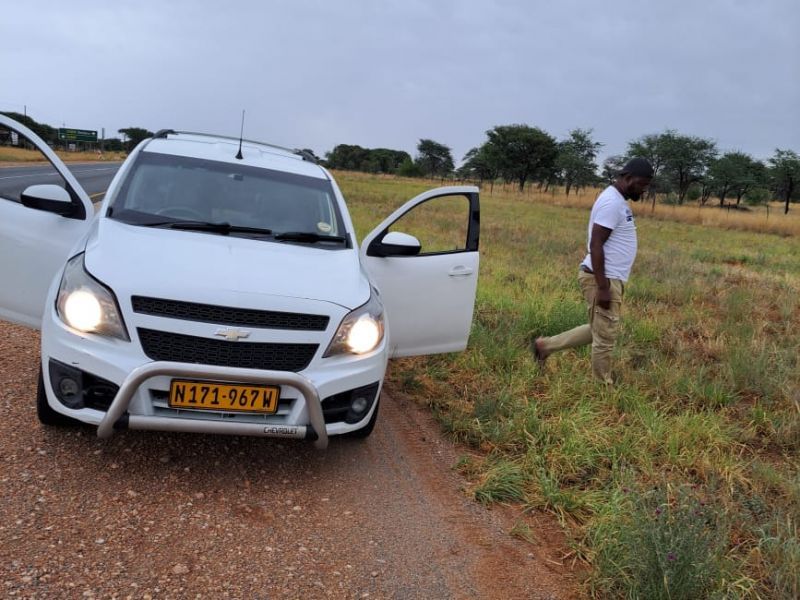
[
  {"x": 441, "y": 224},
  {"x": 22, "y": 165}
]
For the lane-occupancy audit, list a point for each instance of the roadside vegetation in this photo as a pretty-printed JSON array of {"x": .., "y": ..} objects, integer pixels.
[
  {"x": 23, "y": 155},
  {"x": 683, "y": 481}
]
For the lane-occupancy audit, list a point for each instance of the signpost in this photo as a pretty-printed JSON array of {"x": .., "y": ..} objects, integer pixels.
[{"x": 77, "y": 135}]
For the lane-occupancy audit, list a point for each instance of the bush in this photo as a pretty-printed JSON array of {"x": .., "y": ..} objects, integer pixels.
[
  {"x": 757, "y": 196},
  {"x": 408, "y": 168},
  {"x": 671, "y": 199}
]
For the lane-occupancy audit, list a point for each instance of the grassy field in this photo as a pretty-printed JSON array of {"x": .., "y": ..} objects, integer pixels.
[
  {"x": 683, "y": 481},
  {"x": 20, "y": 155}
]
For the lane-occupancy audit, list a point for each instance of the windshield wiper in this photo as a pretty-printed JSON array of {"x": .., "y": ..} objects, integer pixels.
[
  {"x": 308, "y": 236},
  {"x": 224, "y": 228}
]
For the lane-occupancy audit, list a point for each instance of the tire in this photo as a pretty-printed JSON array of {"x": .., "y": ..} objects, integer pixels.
[
  {"x": 363, "y": 433},
  {"x": 47, "y": 416}
]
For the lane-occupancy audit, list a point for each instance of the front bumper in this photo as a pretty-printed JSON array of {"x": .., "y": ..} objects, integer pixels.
[
  {"x": 117, "y": 418},
  {"x": 141, "y": 401}
]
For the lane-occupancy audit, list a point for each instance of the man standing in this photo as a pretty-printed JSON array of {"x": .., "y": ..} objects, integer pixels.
[{"x": 603, "y": 273}]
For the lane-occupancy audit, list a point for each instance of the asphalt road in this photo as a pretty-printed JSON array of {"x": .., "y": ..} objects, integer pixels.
[{"x": 94, "y": 177}]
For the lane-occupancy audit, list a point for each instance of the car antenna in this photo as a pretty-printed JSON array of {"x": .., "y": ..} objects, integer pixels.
[{"x": 241, "y": 133}]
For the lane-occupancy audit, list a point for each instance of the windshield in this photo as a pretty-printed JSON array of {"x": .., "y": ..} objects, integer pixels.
[{"x": 165, "y": 188}]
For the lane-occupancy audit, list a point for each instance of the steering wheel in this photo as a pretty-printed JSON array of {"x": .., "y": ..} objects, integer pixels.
[{"x": 181, "y": 212}]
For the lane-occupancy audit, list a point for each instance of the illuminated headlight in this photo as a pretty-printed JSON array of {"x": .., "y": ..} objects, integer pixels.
[
  {"x": 361, "y": 331},
  {"x": 86, "y": 304}
]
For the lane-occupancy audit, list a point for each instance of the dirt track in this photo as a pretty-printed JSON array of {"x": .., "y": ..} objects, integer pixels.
[{"x": 184, "y": 516}]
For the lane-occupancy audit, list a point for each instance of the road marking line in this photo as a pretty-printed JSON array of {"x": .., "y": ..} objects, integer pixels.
[
  {"x": 30, "y": 175},
  {"x": 97, "y": 194}
]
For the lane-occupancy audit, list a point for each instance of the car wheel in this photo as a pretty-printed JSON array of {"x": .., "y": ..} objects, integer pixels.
[
  {"x": 47, "y": 416},
  {"x": 364, "y": 432}
]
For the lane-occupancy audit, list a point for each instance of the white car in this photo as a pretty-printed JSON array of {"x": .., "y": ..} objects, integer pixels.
[{"x": 219, "y": 287}]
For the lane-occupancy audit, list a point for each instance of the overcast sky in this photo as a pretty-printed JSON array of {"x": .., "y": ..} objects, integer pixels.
[{"x": 378, "y": 73}]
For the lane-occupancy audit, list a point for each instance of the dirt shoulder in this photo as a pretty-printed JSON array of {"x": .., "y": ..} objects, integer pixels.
[{"x": 176, "y": 516}]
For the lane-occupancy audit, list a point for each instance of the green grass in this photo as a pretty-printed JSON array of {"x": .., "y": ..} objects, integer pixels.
[{"x": 707, "y": 406}]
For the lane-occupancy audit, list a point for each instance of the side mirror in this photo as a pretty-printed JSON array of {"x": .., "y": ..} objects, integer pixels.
[
  {"x": 395, "y": 244},
  {"x": 48, "y": 197}
]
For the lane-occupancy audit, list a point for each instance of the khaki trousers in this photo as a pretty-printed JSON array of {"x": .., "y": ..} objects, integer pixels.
[{"x": 601, "y": 331}]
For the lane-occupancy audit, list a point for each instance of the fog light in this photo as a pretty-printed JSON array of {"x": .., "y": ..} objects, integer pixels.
[
  {"x": 69, "y": 388},
  {"x": 359, "y": 405},
  {"x": 67, "y": 383}
]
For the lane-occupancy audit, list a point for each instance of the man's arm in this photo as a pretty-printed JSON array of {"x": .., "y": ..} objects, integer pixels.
[{"x": 599, "y": 236}]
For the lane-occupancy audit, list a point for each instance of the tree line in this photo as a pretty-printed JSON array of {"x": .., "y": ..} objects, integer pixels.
[
  {"x": 686, "y": 167},
  {"x": 131, "y": 136}
]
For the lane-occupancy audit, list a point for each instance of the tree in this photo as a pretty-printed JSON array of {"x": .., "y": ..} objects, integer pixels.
[
  {"x": 731, "y": 172},
  {"x": 384, "y": 160},
  {"x": 611, "y": 166},
  {"x": 785, "y": 174},
  {"x": 356, "y": 158},
  {"x": 522, "y": 152},
  {"x": 434, "y": 159},
  {"x": 686, "y": 160},
  {"x": 135, "y": 135},
  {"x": 348, "y": 157},
  {"x": 480, "y": 163},
  {"x": 47, "y": 133},
  {"x": 651, "y": 147},
  {"x": 113, "y": 144},
  {"x": 677, "y": 160},
  {"x": 576, "y": 159}
]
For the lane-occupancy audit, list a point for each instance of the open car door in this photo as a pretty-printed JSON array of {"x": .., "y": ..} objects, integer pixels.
[
  {"x": 43, "y": 213},
  {"x": 424, "y": 260}
]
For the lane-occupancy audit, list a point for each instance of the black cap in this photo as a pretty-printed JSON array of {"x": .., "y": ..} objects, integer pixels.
[{"x": 638, "y": 167}]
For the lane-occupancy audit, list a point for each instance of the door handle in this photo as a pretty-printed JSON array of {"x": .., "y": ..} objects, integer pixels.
[{"x": 460, "y": 271}]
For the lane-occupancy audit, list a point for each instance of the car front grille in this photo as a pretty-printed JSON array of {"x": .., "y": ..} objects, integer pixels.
[
  {"x": 224, "y": 315},
  {"x": 176, "y": 347}
]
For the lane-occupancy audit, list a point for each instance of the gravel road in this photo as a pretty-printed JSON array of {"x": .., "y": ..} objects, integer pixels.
[{"x": 152, "y": 515}]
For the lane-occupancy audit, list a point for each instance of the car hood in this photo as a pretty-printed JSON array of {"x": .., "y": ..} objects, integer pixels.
[{"x": 212, "y": 268}]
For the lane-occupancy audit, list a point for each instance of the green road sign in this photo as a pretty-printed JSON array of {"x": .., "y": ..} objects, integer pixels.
[{"x": 77, "y": 135}]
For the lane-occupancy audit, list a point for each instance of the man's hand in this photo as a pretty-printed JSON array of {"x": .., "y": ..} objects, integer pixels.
[
  {"x": 603, "y": 298},
  {"x": 599, "y": 236}
]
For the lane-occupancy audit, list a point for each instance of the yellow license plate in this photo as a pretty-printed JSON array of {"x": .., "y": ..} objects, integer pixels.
[{"x": 207, "y": 395}]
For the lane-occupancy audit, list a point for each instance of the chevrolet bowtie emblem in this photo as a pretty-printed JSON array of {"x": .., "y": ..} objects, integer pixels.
[{"x": 233, "y": 334}]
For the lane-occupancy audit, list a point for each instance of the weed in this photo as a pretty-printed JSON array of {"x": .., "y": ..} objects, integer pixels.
[{"x": 661, "y": 543}]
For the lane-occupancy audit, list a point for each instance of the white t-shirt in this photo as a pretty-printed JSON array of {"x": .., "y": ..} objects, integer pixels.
[{"x": 612, "y": 211}]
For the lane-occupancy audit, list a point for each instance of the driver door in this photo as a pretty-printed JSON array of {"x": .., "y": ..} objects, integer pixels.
[
  {"x": 427, "y": 270},
  {"x": 35, "y": 234}
]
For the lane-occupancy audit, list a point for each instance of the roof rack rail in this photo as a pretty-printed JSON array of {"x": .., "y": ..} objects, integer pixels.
[
  {"x": 236, "y": 139},
  {"x": 306, "y": 155},
  {"x": 162, "y": 133}
]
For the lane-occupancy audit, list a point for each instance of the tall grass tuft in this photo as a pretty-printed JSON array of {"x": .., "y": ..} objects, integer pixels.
[
  {"x": 502, "y": 481},
  {"x": 780, "y": 547}
]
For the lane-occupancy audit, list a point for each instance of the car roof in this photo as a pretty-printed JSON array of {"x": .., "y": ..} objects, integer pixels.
[{"x": 225, "y": 149}]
